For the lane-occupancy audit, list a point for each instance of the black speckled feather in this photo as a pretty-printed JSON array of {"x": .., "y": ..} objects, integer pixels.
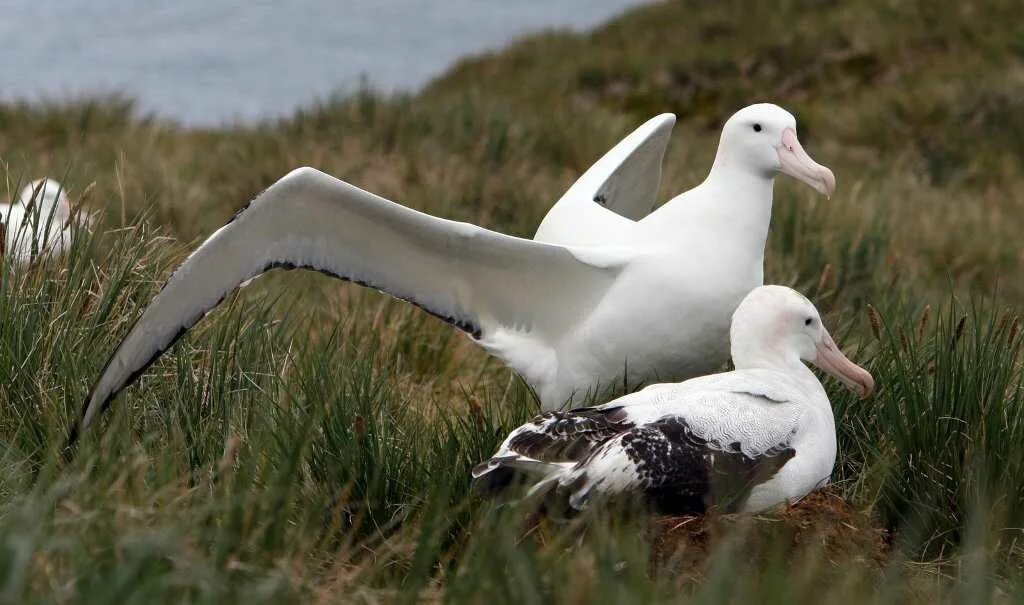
[
  {"x": 682, "y": 473},
  {"x": 569, "y": 436}
]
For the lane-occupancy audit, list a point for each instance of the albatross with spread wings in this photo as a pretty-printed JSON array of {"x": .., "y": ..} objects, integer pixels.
[{"x": 602, "y": 290}]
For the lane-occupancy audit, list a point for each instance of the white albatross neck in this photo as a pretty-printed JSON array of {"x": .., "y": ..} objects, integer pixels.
[{"x": 732, "y": 196}]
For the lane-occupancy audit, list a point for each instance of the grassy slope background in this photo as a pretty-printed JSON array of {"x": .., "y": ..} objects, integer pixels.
[{"x": 311, "y": 440}]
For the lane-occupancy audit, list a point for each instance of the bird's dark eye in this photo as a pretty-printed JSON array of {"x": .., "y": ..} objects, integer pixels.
[
  {"x": 757, "y": 128},
  {"x": 808, "y": 321}
]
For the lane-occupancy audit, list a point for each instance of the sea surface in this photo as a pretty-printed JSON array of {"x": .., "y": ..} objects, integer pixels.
[{"x": 205, "y": 63}]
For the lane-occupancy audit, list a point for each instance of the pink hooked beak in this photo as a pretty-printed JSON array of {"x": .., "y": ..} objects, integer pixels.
[
  {"x": 795, "y": 162},
  {"x": 831, "y": 360}
]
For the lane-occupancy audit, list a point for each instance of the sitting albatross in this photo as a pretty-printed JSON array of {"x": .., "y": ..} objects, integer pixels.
[
  {"x": 595, "y": 295},
  {"x": 744, "y": 440},
  {"x": 37, "y": 223}
]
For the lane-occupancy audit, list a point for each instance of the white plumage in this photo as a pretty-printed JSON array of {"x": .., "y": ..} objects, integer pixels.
[
  {"x": 596, "y": 296},
  {"x": 744, "y": 440},
  {"x": 37, "y": 222}
]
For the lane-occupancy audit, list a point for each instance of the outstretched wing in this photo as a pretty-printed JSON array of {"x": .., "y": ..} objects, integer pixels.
[
  {"x": 478, "y": 280},
  {"x": 618, "y": 189}
]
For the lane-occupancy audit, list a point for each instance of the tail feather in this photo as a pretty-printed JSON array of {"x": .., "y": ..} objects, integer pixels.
[{"x": 497, "y": 473}]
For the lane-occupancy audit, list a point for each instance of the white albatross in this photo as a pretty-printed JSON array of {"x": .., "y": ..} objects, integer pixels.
[
  {"x": 597, "y": 293},
  {"x": 744, "y": 440},
  {"x": 37, "y": 223}
]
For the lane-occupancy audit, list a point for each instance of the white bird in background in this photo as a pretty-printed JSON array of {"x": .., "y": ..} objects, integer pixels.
[
  {"x": 744, "y": 440},
  {"x": 37, "y": 223},
  {"x": 599, "y": 298}
]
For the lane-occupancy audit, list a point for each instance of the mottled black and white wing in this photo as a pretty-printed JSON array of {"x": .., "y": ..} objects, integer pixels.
[
  {"x": 551, "y": 442},
  {"x": 676, "y": 468}
]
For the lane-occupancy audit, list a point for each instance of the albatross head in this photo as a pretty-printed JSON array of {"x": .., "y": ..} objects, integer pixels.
[
  {"x": 762, "y": 138},
  {"x": 777, "y": 327}
]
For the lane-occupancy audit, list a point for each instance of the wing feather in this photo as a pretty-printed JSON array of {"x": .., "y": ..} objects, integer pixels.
[
  {"x": 679, "y": 467},
  {"x": 691, "y": 448},
  {"x": 478, "y": 280},
  {"x": 620, "y": 188}
]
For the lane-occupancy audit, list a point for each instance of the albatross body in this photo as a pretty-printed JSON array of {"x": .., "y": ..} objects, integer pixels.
[
  {"x": 744, "y": 440},
  {"x": 37, "y": 222},
  {"x": 605, "y": 294}
]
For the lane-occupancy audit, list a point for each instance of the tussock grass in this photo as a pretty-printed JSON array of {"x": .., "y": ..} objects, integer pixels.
[{"x": 310, "y": 441}]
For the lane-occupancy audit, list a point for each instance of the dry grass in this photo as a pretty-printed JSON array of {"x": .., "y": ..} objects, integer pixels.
[{"x": 343, "y": 412}]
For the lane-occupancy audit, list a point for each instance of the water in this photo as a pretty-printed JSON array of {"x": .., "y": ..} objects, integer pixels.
[{"x": 204, "y": 63}]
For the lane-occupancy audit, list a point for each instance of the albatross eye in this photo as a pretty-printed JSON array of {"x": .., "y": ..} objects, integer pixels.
[
  {"x": 808, "y": 321},
  {"x": 757, "y": 128}
]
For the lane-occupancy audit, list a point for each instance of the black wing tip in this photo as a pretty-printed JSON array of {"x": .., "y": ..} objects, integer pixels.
[
  {"x": 481, "y": 469},
  {"x": 71, "y": 442},
  {"x": 75, "y": 433},
  {"x": 467, "y": 326},
  {"x": 78, "y": 426},
  {"x": 493, "y": 476}
]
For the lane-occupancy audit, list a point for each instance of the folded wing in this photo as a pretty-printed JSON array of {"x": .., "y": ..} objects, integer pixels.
[
  {"x": 692, "y": 451},
  {"x": 478, "y": 280}
]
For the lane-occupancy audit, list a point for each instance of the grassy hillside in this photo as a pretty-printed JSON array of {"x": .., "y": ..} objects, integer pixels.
[{"x": 311, "y": 441}]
